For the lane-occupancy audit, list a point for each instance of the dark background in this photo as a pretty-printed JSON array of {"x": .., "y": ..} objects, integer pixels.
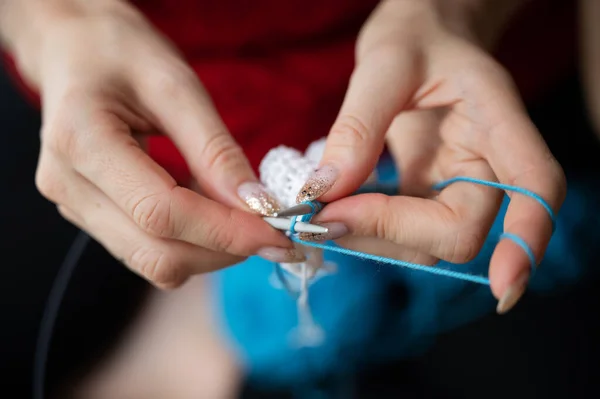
[{"x": 545, "y": 347}]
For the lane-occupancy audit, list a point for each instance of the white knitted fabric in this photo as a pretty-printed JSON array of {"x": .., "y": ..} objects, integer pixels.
[{"x": 283, "y": 171}]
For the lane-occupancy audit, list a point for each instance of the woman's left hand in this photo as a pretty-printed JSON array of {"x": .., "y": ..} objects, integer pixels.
[{"x": 445, "y": 108}]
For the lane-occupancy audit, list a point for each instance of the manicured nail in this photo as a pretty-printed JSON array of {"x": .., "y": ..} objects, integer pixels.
[
  {"x": 512, "y": 294},
  {"x": 282, "y": 255},
  {"x": 336, "y": 230},
  {"x": 258, "y": 198},
  {"x": 319, "y": 182}
]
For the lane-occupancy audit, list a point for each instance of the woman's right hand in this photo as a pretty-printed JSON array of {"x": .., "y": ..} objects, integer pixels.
[{"x": 104, "y": 74}]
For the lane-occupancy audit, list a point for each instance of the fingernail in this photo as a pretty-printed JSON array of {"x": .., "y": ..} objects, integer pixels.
[
  {"x": 281, "y": 255},
  {"x": 319, "y": 182},
  {"x": 258, "y": 198},
  {"x": 512, "y": 294},
  {"x": 336, "y": 230}
]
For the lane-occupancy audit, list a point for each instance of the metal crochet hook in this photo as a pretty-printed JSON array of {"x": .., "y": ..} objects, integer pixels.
[
  {"x": 300, "y": 210},
  {"x": 305, "y": 209},
  {"x": 281, "y": 223}
]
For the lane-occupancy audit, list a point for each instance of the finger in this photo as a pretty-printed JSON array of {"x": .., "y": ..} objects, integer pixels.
[
  {"x": 452, "y": 227},
  {"x": 187, "y": 115},
  {"x": 71, "y": 216},
  {"x": 379, "y": 88},
  {"x": 520, "y": 158},
  {"x": 387, "y": 249},
  {"x": 413, "y": 140},
  {"x": 99, "y": 148},
  {"x": 165, "y": 263},
  {"x": 518, "y": 155}
]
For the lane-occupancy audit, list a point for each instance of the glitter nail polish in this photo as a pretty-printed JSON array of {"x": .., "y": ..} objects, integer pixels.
[
  {"x": 336, "y": 230},
  {"x": 274, "y": 254},
  {"x": 318, "y": 184},
  {"x": 258, "y": 198}
]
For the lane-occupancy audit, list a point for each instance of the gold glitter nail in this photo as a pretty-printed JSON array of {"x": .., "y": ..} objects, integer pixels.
[
  {"x": 317, "y": 184},
  {"x": 336, "y": 230},
  {"x": 258, "y": 199},
  {"x": 313, "y": 237}
]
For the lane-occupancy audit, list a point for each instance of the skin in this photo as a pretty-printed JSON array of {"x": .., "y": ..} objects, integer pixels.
[
  {"x": 104, "y": 74},
  {"x": 426, "y": 85}
]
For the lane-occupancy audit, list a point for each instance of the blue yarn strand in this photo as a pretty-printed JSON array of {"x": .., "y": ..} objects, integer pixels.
[
  {"x": 439, "y": 186},
  {"x": 521, "y": 242},
  {"x": 395, "y": 262},
  {"x": 316, "y": 207}
]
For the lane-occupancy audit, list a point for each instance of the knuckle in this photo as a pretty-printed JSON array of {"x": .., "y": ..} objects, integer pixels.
[
  {"x": 173, "y": 79},
  {"x": 349, "y": 131},
  {"x": 485, "y": 75},
  {"x": 222, "y": 238},
  {"x": 156, "y": 266},
  {"x": 49, "y": 185},
  {"x": 70, "y": 216},
  {"x": 65, "y": 213},
  {"x": 61, "y": 140},
  {"x": 152, "y": 213},
  {"x": 220, "y": 150},
  {"x": 386, "y": 225},
  {"x": 465, "y": 247},
  {"x": 56, "y": 138},
  {"x": 558, "y": 176}
]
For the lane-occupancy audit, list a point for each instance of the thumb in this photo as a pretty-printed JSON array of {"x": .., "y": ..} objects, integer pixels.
[{"x": 380, "y": 87}]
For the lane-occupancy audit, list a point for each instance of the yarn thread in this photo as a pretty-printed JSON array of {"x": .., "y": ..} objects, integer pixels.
[{"x": 433, "y": 270}]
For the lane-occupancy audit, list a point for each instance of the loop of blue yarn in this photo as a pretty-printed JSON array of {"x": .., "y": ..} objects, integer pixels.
[
  {"x": 439, "y": 186},
  {"x": 293, "y": 225},
  {"x": 316, "y": 206},
  {"x": 521, "y": 242}
]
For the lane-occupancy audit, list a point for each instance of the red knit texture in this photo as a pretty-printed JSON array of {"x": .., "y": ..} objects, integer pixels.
[{"x": 277, "y": 70}]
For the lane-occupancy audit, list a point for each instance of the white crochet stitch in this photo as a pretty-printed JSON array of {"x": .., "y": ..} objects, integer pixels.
[{"x": 284, "y": 171}]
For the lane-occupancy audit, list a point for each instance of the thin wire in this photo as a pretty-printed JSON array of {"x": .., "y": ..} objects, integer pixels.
[{"x": 50, "y": 315}]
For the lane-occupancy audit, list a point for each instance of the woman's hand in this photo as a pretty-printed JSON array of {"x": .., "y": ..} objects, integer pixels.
[
  {"x": 105, "y": 76},
  {"x": 425, "y": 86}
]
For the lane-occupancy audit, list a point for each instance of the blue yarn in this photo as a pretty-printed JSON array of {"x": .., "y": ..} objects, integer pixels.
[
  {"x": 362, "y": 324},
  {"x": 396, "y": 262},
  {"x": 293, "y": 225},
  {"x": 520, "y": 242},
  {"x": 439, "y": 186},
  {"x": 436, "y": 270},
  {"x": 315, "y": 207}
]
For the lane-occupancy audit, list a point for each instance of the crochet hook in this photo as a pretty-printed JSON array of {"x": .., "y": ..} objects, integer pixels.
[
  {"x": 305, "y": 209},
  {"x": 299, "y": 210},
  {"x": 300, "y": 227}
]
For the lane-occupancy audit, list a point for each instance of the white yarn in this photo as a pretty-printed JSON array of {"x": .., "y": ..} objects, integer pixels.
[
  {"x": 283, "y": 171},
  {"x": 314, "y": 152}
]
